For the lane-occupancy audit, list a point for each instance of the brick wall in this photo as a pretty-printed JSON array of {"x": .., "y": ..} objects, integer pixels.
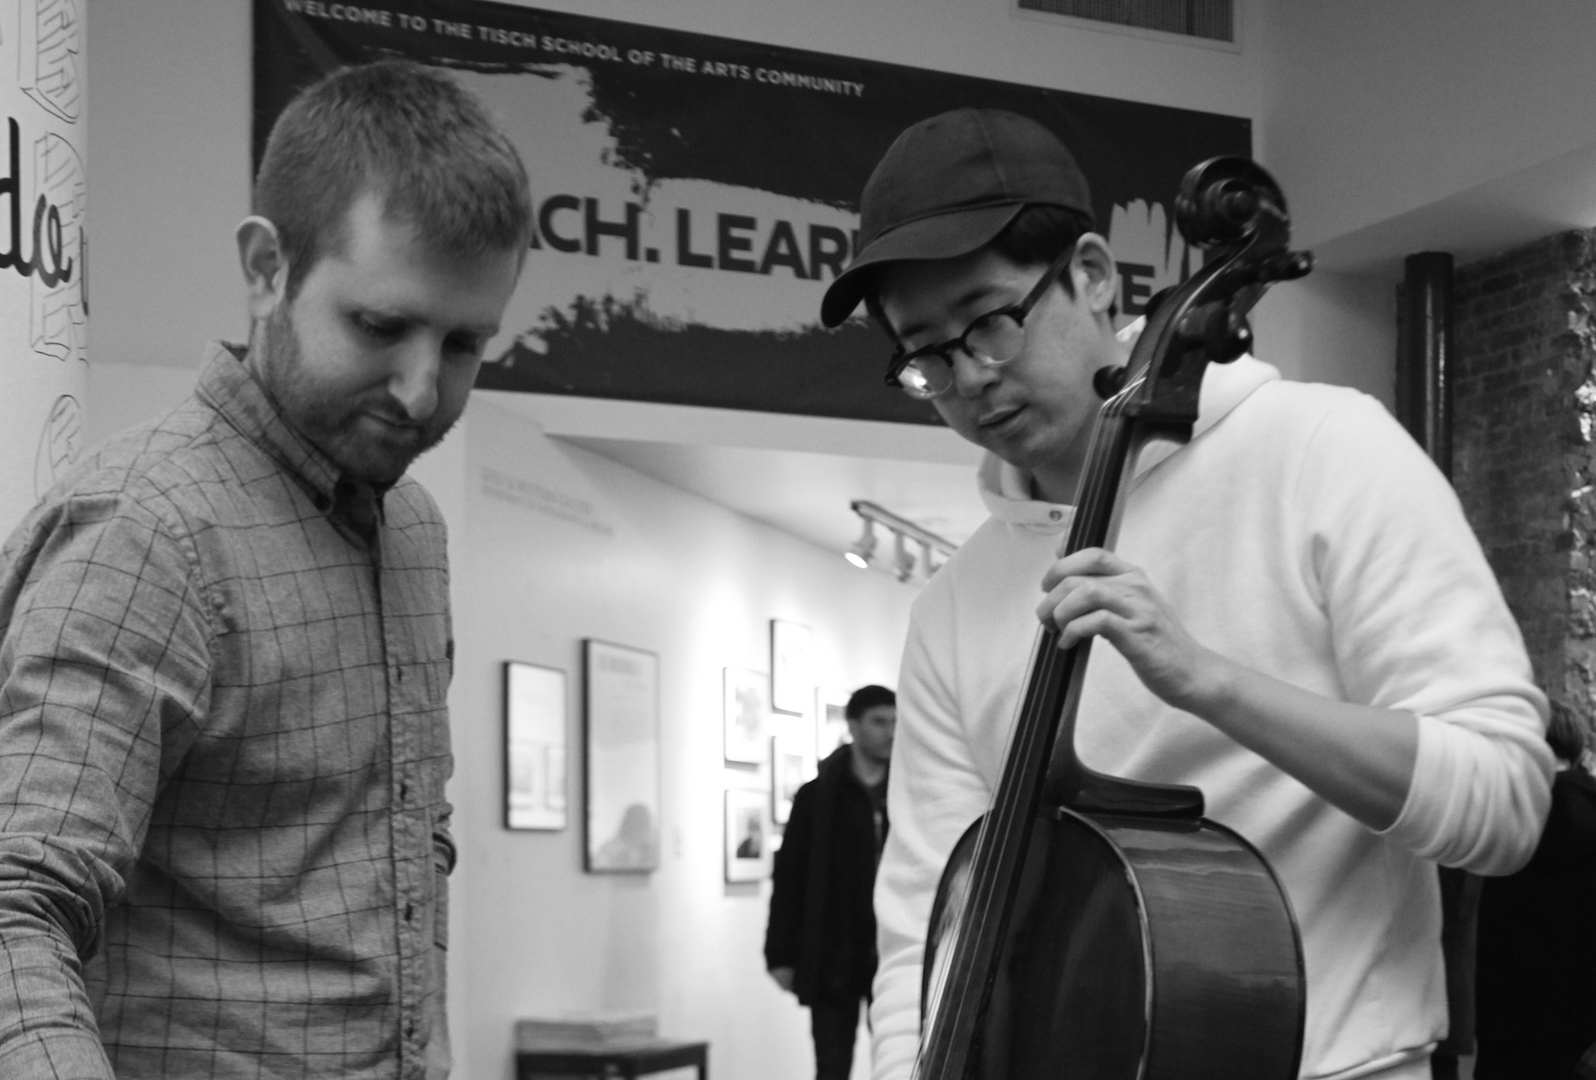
[{"x": 1523, "y": 460}]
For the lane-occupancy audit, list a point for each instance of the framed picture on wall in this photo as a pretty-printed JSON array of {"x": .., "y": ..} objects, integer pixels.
[
  {"x": 831, "y": 721},
  {"x": 791, "y": 672},
  {"x": 621, "y": 744},
  {"x": 747, "y": 840},
  {"x": 744, "y": 716},
  {"x": 791, "y": 767},
  {"x": 534, "y": 747}
]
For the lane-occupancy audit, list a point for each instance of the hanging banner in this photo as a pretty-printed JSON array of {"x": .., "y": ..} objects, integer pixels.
[
  {"x": 695, "y": 195},
  {"x": 43, "y": 301}
]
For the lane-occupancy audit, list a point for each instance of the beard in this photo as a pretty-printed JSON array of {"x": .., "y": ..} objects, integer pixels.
[{"x": 368, "y": 435}]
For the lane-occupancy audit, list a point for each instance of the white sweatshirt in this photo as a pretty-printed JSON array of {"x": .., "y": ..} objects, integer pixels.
[{"x": 1301, "y": 533}]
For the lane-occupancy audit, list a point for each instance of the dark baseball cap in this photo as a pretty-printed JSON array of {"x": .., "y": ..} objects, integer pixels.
[{"x": 947, "y": 186}]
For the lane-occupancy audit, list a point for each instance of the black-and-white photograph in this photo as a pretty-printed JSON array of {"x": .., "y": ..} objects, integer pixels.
[{"x": 858, "y": 539}]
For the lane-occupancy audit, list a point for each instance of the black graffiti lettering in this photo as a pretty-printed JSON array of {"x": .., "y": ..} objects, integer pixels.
[
  {"x": 728, "y": 240},
  {"x": 48, "y": 232},
  {"x": 827, "y": 247},
  {"x": 782, "y": 250},
  {"x": 49, "y": 218},
  {"x": 1134, "y": 291},
  {"x": 630, "y": 231},
  {"x": 685, "y": 255},
  {"x": 10, "y": 185},
  {"x": 552, "y": 206}
]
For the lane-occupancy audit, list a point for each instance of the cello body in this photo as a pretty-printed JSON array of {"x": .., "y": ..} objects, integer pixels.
[
  {"x": 1093, "y": 927},
  {"x": 1138, "y": 948}
]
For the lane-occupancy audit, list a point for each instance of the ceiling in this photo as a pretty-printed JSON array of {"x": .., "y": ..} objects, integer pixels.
[
  {"x": 807, "y": 494},
  {"x": 796, "y": 473},
  {"x": 1534, "y": 202}
]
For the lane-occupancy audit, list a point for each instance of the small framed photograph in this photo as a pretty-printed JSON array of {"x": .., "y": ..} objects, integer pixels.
[
  {"x": 791, "y": 767},
  {"x": 792, "y": 679},
  {"x": 534, "y": 747},
  {"x": 831, "y": 722},
  {"x": 622, "y": 751},
  {"x": 744, "y": 716},
  {"x": 747, "y": 840}
]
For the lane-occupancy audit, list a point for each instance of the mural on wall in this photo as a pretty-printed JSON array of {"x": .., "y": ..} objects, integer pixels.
[
  {"x": 695, "y": 195},
  {"x": 43, "y": 248}
]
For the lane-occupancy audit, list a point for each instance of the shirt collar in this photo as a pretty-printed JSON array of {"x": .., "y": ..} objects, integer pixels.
[{"x": 232, "y": 390}]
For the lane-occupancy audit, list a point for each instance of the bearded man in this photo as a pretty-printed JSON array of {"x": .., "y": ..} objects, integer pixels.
[{"x": 225, "y": 643}]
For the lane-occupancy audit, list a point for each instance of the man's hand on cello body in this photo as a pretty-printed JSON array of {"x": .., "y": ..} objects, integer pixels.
[{"x": 1359, "y": 758}]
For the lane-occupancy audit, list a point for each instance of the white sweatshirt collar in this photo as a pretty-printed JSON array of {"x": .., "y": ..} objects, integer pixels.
[{"x": 1006, "y": 489}]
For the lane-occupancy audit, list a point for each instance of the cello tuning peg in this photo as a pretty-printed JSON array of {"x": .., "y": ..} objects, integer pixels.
[
  {"x": 1236, "y": 342},
  {"x": 1108, "y": 381},
  {"x": 1287, "y": 266},
  {"x": 1221, "y": 333}
]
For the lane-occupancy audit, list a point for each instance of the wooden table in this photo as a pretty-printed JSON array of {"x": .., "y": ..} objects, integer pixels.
[{"x": 623, "y": 1061}]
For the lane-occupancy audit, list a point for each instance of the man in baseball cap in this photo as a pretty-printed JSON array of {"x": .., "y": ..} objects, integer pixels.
[{"x": 1302, "y": 623}]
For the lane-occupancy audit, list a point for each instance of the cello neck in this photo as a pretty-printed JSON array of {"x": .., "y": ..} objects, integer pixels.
[{"x": 1057, "y": 675}]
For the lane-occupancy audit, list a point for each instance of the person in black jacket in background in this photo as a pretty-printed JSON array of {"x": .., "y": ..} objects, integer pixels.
[
  {"x": 821, "y": 940},
  {"x": 1535, "y": 988}
]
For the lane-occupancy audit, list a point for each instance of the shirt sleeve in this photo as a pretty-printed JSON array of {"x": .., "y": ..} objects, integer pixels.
[
  {"x": 1420, "y": 626},
  {"x": 934, "y": 792},
  {"x": 104, "y": 675}
]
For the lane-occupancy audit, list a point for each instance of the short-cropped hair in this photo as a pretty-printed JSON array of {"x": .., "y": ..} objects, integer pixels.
[
  {"x": 427, "y": 148},
  {"x": 866, "y": 698},
  {"x": 1039, "y": 234}
]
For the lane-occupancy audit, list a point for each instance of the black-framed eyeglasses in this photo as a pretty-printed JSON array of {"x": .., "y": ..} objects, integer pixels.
[{"x": 991, "y": 340}]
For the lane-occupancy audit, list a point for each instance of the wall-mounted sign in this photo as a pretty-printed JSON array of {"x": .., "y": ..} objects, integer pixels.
[{"x": 695, "y": 195}]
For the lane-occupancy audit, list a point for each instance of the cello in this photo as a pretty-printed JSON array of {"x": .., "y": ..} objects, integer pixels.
[{"x": 1092, "y": 927}]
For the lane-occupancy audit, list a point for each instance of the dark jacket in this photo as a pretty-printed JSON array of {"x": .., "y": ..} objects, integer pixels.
[
  {"x": 1537, "y": 956},
  {"x": 822, "y": 924}
]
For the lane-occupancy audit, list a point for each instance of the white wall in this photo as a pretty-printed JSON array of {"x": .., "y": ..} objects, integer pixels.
[
  {"x": 1372, "y": 115},
  {"x": 1334, "y": 328},
  {"x": 173, "y": 116},
  {"x": 662, "y": 570},
  {"x": 1371, "y": 108}
]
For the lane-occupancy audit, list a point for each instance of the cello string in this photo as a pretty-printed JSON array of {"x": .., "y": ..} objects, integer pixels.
[
  {"x": 967, "y": 932},
  {"x": 1100, "y": 466},
  {"x": 1025, "y": 763}
]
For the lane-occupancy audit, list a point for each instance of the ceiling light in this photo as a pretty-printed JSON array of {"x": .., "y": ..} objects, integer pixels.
[
  {"x": 903, "y": 563},
  {"x": 902, "y": 558},
  {"x": 864, "y": 547}
]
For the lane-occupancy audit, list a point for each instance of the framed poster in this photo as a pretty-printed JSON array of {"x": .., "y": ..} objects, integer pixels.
[
  {"x": 534, "y": 747},
  {"x": 831, "y": 722},
  {"x": 744, "y": 716},
  {"x": 621, "y": 735},
  {"x": 791, "y": 680},
  {"x": 747, "y": 842},
  {"x": 791, "y": 767}
]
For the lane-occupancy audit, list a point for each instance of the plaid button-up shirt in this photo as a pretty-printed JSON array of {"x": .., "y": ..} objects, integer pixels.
[{"x": 223, "y": 748}]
